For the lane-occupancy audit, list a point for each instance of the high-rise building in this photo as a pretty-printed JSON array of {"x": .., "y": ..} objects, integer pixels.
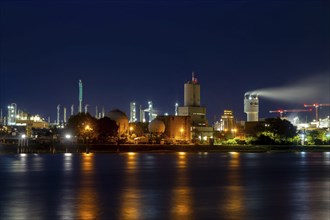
[{"x": 227, "y": 121}]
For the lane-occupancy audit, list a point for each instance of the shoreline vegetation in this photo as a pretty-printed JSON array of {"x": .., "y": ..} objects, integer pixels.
[{"x": 156, "y": 148}]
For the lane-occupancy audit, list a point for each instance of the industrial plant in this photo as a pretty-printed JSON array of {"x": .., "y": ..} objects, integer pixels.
[{"x": 187, "y": 124}]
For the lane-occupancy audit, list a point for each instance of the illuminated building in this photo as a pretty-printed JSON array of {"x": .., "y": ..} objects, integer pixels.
[
  {"x": 192, "y": 108},
  {"x": 227, "y": 121},
  {"x": 177, "y": 127},
  {"x": 12, "y": 112},
  {"x": 251, "y": 107}
]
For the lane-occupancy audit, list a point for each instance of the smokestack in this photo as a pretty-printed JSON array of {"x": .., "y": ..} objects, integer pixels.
[
  {"x": 103, "y": 112},
  {"x": 80, "y": 95},
  {"x": 251, "y": 107},
  {"x": 96, "y": 112},
  {"x": 86, "y": 108},
  {"x": 142, "y": 118},
  {"x": 58, "y": 114},
  {"x": 72, "y": 110},
  {"x": 64, "y": 114}
]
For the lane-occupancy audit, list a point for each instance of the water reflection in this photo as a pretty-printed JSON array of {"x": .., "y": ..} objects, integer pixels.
[
  {"x": 20, "y": 164},
  {"x": 182, "y": 194},
  {"x": 87, "y": 195},
  {"x": 67, "y": 162},
  {"x": 232, "y": 203},
  {"x": 130, "y": 197}
]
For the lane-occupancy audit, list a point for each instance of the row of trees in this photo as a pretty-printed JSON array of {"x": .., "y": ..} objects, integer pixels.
[
  {"x": 87, "y": 128},
  {"x": 277, "y": 131}
]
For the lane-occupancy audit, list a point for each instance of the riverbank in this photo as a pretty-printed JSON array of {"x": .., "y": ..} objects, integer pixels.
[{"x": 98, "y": 148}]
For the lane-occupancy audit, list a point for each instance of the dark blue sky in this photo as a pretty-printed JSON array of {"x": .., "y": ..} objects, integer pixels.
[{"x": 146, "y": 50}]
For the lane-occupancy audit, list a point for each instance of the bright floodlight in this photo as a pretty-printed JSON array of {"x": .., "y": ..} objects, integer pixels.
[
  {"x": 23, "y": 136},
  {"x": 67, "y": 136}
]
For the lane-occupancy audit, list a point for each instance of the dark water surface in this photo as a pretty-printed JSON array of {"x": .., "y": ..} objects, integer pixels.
[{"x": 166, "y": 186}]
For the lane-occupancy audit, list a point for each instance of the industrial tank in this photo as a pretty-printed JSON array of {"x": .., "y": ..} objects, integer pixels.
[
  {"x": 251, "y": 107},
  {"x": 157, "y": 126},
  {"x": 121, "y": 120}
]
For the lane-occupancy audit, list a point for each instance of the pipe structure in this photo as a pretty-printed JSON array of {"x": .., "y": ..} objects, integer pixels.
[
  {"x": 58, "y": 114},
  {"x": 80, "y": 95}
]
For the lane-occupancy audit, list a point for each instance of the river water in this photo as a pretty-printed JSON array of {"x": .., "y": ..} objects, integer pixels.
[{"x": 165, "y": 186}]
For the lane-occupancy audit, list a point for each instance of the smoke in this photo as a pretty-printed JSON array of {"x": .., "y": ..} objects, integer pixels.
[{"x": 313, "y": 89}]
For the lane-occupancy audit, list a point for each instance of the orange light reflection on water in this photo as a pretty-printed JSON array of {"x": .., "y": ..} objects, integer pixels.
[
  {"x": 233, "y": 204},
  {"x": 87, "y": 195},
  {"x": 182, "y": 198},
  {"x": 130, "y": 197}
]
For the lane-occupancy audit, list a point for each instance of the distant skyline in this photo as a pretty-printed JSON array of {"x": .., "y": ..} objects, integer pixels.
[{"x": 138, "y": 51}]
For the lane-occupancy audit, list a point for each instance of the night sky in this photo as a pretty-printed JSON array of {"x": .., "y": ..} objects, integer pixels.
[{"x": 127, "y": 51}]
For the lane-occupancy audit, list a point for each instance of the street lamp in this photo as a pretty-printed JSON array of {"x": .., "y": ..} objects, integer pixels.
[
  {"x": 67, "y": 137},
  {"x": 21, "y": 143},
  {"x": 88, "y": 129},
  {"x": 302, "y": 136},
  {"x": 181, "y": 132},
  {"x": 233, "y": 131}
]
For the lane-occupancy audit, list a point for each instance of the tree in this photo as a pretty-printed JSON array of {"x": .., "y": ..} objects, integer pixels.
[
  {"x": 277, "y": 129},
  {"x": 83, "y": 125},
  {"x": 317, "y": 136},
  {"x": 106, "y": 128}
]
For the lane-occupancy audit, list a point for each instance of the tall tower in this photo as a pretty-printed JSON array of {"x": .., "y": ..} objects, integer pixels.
[
  {"x": 103, "y": 112},
  {"x": 64, "y": 115},
  {"x": 58, "y": 114},
  {"x": 251, "y": 107},
  {"x": 72, "y": 110},
  {"x": 12, "y": 112},
  {"x": 132, "y": 112},
  {"x": 176, "y": 109},
  {"x": 80, "y": 96},
  {"x": 142, "y": 116},
  {"x": 192, "y": 103},
  {"x": 96, "y": 112},
  {"x": 192, "y": 95}
]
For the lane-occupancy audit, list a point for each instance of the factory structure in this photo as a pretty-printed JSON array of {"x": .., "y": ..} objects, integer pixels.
[
  {"x": 251, "y": 107},
  {"x": 187, "y": 124},
  {"x": 200, "y": 129}
]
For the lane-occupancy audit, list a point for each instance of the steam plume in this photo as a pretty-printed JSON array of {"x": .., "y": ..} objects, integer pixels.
[{"x": 313, "y": 89}]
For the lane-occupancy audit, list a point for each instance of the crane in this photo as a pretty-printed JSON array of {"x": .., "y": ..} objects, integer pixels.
[
  {"x": 281, "y": 111},
  {"x": 316, "y": 106}
]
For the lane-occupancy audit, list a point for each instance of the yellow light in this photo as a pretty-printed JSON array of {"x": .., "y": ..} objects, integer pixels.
[
  {"x": 131, "y": 153},
  {"x": 181, "y": 130},
  {"x": 182, "y": 153},
  {"x": 131, "y": 128}
]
